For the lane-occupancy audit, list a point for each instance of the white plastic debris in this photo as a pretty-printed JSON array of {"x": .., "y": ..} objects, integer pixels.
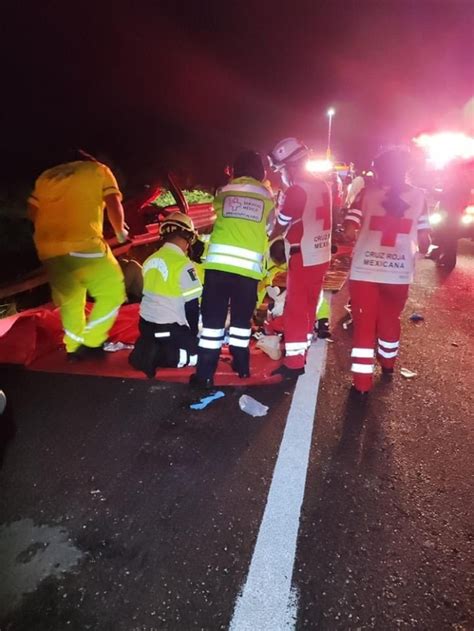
[
  {"x": 113, "y": 347},
  {"x": 270, "y": 345},
  {"x": 279, "y": 305},
  {"x": 346, "y": 324},
  {"x": 408, "y": 374},
  {"x": 273, "y": 292},
  {"x": 348, "y": 321},
  {"x": 251, "y": 406}
]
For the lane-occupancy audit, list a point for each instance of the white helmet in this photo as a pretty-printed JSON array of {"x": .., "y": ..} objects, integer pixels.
[
  {"x": 178, "y": 221},
  {"x": 287, "y": 151}
]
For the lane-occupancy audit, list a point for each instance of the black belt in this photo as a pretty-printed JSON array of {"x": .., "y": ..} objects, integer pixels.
[{"x": 295, "y": 249}]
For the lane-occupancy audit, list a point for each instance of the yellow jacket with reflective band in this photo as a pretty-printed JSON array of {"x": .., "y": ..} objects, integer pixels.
[
  {"x": 68, "y": 205},
  {"x": 239, "y": 238},
  {"x": 169, "y": 281},
  {"x": 271, "y": 271}
]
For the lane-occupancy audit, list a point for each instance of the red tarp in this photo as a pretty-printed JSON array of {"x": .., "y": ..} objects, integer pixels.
[{"x": 33, "y": 338}]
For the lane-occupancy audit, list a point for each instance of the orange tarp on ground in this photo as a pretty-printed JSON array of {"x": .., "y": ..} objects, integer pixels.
[{"x": 33, "y": 339}]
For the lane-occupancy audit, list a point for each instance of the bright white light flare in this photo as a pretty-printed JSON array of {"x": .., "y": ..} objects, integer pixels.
[
  {"x": 436, "y": 218},
  {"x": 445, "y": 146},
  {"x": 319, "y": 166}
]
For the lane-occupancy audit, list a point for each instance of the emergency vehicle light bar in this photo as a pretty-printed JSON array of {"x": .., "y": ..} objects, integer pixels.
[{"x": 314, "y": 165}]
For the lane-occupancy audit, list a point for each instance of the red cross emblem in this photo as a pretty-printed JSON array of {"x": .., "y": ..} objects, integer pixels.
[
  {"x": 390, "y": 227},
  {"x": 324, "y": 212},
  {"x": 235, "y": 204}
]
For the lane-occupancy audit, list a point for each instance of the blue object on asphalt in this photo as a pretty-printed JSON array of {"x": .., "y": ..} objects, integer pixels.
[
  {"x": 204, "y": 402},
  {"x": 416, "y": 317}
]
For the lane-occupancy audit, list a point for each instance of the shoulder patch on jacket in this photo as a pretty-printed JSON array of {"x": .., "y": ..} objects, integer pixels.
[{"x": 192, "y": 273}]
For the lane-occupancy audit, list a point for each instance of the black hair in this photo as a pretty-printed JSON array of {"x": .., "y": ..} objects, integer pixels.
[
  {"x": 169, "y": 235},
  {"x": 391, "y": 168},
  {"x": 249, "y": 164},
  {"x": 392, "y": 165},
  {"x": 277, "y": 251}
]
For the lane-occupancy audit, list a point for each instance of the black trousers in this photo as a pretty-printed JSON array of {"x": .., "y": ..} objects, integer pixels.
[
  {"x": 222, "y": 289},
  {"x": 163, "y": 346}
]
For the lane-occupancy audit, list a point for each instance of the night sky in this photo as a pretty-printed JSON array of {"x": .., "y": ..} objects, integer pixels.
[{"x": 187, "y": 84}]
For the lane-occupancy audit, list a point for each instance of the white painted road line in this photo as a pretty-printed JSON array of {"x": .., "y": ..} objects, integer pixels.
[{"x": 266, "y": 602}]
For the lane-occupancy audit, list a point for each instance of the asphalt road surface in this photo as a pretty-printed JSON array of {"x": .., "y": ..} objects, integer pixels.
[{"x": 121, "y": 509}]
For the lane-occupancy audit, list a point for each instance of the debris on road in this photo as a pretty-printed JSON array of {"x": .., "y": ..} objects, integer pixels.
[
  {"x": 113, "y": 347},
  {"x": 416, "y": 317},
  {"x": 408, "y": 374},
  {"x": 204, "y": 401},
  {"x": 251, "y": 406},
  {"x": 348, "y": 321},
  {"x": 455, "y": 344}
]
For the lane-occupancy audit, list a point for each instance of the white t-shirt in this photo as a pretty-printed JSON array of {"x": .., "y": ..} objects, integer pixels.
[{"x": 354, "y": 189}]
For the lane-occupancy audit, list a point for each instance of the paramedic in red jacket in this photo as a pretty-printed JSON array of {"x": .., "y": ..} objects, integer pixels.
[
  {"x": 305, "y": 218},
  {"x": 390, "y": 219}
]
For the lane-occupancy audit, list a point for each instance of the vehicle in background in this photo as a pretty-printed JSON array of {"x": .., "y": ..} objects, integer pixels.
[
  {"x": 448, "y": 178},
  {"x": 447, "y": 228}
]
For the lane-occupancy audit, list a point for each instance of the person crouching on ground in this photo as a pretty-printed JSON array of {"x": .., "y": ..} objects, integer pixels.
[{"x": 169, "y": 310}]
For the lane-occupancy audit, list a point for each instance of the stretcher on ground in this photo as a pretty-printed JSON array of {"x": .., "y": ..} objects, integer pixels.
[{"x": 33, "y": 338}]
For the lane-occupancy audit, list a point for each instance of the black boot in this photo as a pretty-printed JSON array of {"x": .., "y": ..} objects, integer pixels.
[
  {"x": 322, "y": 329},
  {"x": 204, "y": 384},
  {"x": 86, "y": 352},
  {"x": 358, "y": 397},
  {"x": 242, "y": 372},
  {"x": 387, "y": 374},
  {"x": 288, "y": 374},
  {"x": 240, "y": 361}
]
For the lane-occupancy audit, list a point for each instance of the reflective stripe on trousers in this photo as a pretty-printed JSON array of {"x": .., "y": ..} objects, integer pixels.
[
  {"x": 361, "y": 367},
  {"x": 293, "y": 349},
  {"x": 239, "y": 337},
  {"x": 211, "y": 339},
  {"x": 71, "y": 276},
  {"x": 74, "y": 337},
  {"x": 388, "y": 349},
  {"x": 365, "y": 353}
]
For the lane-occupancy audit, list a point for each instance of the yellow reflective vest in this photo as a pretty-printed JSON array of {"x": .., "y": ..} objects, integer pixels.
[
  {"x": 169, "y": 282},
  {"x": 239, "y": 238}
]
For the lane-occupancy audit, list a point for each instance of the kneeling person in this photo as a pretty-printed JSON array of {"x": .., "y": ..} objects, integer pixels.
[{"x": 169, "y": 310}]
